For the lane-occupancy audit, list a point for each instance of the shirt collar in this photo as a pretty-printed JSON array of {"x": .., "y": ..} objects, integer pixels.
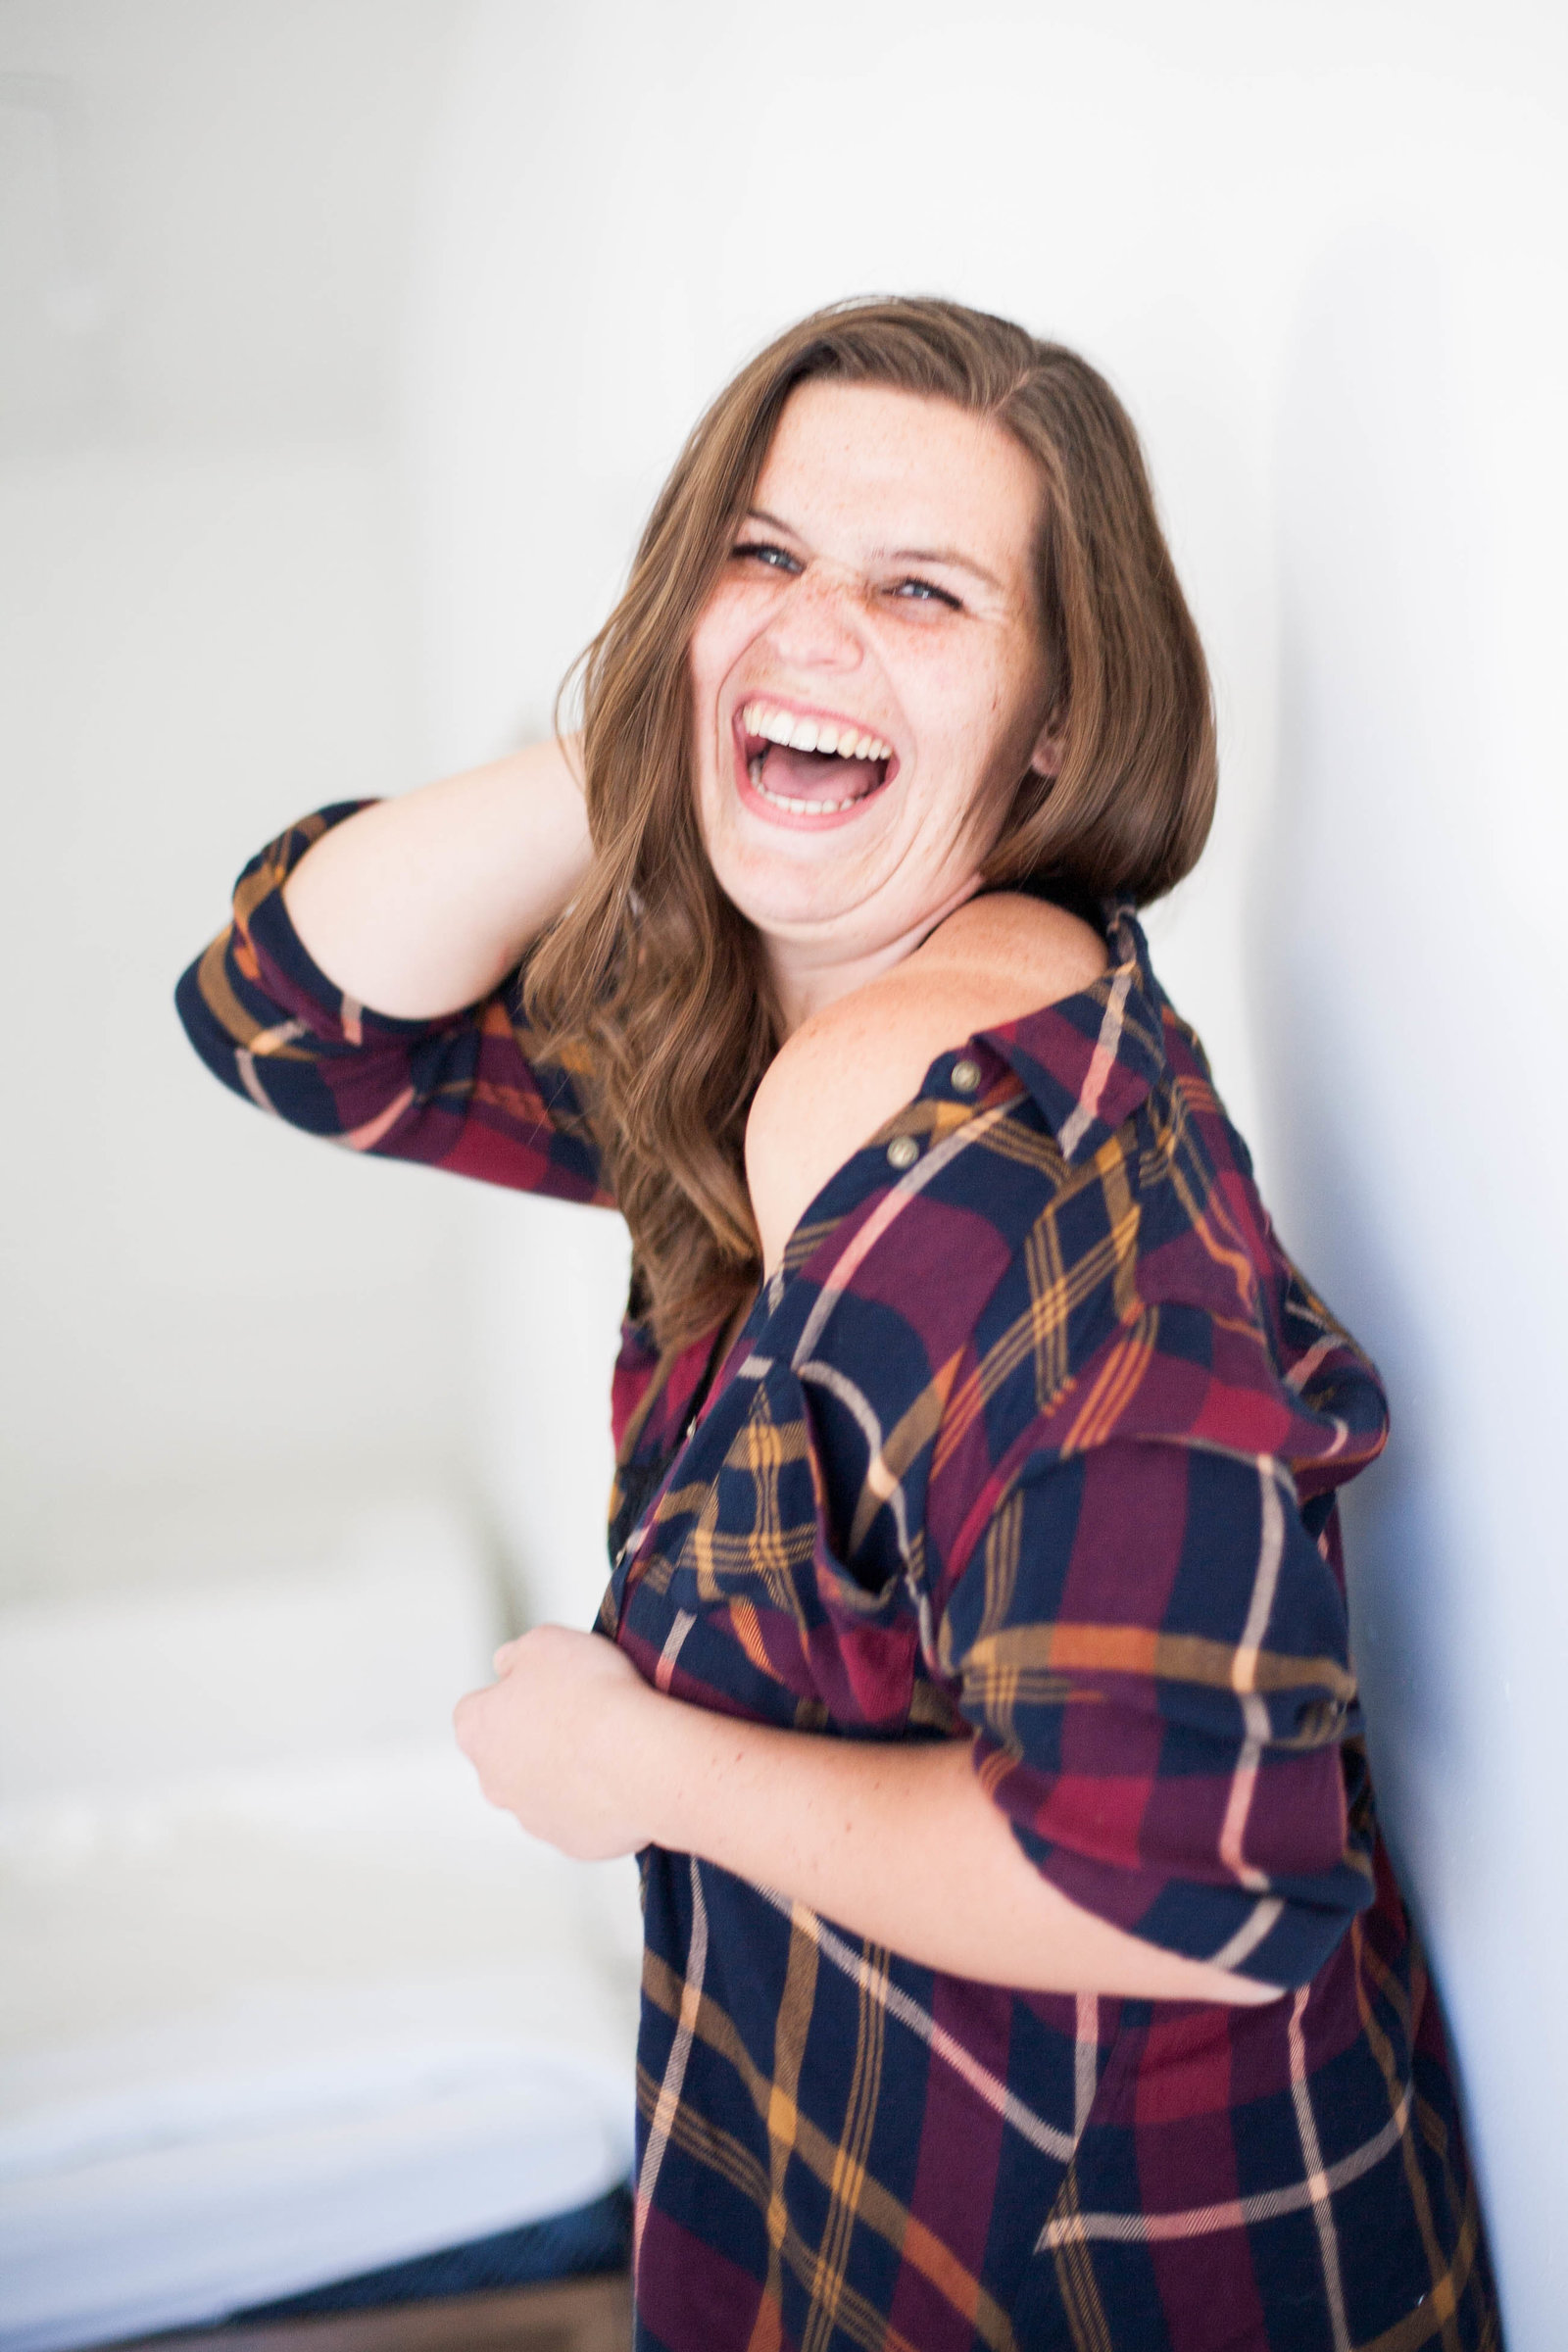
[{"x": 1090, "y": 1060}]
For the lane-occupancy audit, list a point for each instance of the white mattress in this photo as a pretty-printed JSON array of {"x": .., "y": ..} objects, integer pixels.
[{"x": 276, "y": 2026}]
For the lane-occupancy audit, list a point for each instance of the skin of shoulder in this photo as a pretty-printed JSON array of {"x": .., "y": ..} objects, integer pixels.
[{"x": 848, "y": 1070}]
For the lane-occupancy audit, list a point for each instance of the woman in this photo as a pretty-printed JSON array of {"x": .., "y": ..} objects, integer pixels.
[{"x": 1023, "y": 1966}]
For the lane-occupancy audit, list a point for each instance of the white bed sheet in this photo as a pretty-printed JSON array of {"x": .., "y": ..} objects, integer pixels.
[{"x": 342, "y": 2015}]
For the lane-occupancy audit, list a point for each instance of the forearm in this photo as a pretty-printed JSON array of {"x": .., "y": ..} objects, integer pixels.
[
  {"x": 900, "y": 1843},
  {"x": 896, "y": 1841},
  {"x": 420, "y": 905}
]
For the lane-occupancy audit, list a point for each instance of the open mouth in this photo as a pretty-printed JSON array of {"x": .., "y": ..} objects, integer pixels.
[{"x": 817, "y": 766}]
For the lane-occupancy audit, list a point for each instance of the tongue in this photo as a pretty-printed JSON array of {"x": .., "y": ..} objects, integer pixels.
[{"x": 818, "y": 775}]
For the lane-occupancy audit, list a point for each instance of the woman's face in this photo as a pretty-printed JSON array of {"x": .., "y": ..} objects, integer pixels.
[{"x": 868, "y": 671}]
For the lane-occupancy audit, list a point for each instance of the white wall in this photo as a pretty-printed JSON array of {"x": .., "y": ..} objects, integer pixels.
[
  {"x": 219, "y": 1340},
  {"x": 1319, "y": 248}
]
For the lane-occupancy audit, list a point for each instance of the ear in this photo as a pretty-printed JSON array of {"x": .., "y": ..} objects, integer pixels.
[{"x": 1050, "y": 744}]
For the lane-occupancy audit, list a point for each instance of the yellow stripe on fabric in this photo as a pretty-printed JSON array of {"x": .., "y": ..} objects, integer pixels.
[
  {"x": 213, "y": 983},
  {"x": 1113, "y": 1388},
  {"x": 791, "y": 2029},
  {"x": 886, "y": 1470},
  {"x": 273, "y": 869},
  {"x": 1001, "y": 1554},
  {"x": 748, "y": 1628},
  {"x": 1027, "y": 1146},
  {"x": 847, "y": 2190},
  {"x": 941, "y": 2267},
  {"x": 1075, "y": 2274},
  {"x": 907, "y": 2012},
  {"x": 1124, "y": 1217},
  {"x": 1038, "y": 1331},
  {"x": 1072, "y": 1647},
  {"x": 1414, "y": 2176},
  {"x": 697, "y": 2136},
  {"x": 1050, "y": 1296},
  {"x": 1437, "y": 2310},
  {"x": 879, "y": 2210},
  {"x": 1212, "y": 1227}
]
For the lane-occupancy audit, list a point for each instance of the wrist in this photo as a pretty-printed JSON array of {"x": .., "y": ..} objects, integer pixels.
[
  {"x": 678, "y": 1754},
  {"x": 645, "y": 1741}
]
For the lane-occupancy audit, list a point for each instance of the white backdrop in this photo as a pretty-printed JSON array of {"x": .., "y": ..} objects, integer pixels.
[{"x": 1320, "y": 250}]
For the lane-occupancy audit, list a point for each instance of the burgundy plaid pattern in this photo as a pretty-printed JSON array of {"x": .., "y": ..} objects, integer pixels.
[{"x": 1035, "y": 1434}]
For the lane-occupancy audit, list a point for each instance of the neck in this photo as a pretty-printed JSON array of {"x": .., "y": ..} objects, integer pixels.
[{"x": 810, "y": 973}]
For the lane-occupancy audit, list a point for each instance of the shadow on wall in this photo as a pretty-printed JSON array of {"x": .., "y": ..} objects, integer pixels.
[
  {"x": 1409, "y": 1141},
  {"x": 1373, "y": 753}
]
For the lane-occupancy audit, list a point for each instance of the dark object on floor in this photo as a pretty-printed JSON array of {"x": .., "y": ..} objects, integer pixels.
[
  {"x": 591, "y": 2240},
  {"x": 573, "y": 2314}
]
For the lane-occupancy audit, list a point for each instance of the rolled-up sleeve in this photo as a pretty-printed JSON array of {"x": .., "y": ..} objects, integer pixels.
[
  {"x": 467, "y": 1093},
  {"x": 1149, "y": 1640}
]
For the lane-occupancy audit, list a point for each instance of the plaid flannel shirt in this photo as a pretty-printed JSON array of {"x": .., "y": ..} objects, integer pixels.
[{"x": 1034, "y": 1437}]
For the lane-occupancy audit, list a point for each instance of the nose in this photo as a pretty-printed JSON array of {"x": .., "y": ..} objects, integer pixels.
[{"x": 815, "y": 624}]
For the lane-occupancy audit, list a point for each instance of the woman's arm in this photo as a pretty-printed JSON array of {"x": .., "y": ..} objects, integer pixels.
[
  {"x": 420, "y": 905},
  {"x": 896, "y": 1842}
]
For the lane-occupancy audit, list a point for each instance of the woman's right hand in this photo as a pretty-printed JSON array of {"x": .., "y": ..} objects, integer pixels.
[{"x": 420, "y": 905}]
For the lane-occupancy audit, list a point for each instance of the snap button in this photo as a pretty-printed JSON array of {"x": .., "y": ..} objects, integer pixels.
[
  {"x": 903, "y": 1152},
  {"x": 965, "y": 1075}
]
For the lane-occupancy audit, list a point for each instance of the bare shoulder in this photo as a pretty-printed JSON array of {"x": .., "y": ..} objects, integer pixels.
[
  {"x": 1013, "y": 953},
  {"x": 851, "y": 1066}
]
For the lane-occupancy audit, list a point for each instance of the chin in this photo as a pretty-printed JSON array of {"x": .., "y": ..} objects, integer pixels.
[{"x": 781, "y": 895}]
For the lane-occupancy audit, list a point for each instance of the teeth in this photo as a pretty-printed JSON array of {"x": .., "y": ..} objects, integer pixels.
[
  {"x": 811, "y": 734},
  {"x": 787, "y": 799}
]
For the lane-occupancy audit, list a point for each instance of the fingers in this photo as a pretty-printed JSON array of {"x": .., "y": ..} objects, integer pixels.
[{"x": 463, "y": 1724}]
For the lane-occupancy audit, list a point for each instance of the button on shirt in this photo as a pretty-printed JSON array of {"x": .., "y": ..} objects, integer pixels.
[{"x": 1033, "y": 1439}]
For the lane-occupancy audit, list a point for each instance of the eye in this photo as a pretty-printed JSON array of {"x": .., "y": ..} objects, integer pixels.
[
  {"x": 765, "y": 552},
  {"x": 926, "y": 592}
]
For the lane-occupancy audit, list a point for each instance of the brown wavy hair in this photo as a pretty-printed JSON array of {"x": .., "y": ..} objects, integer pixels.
[{"x": 650, "y": 985}]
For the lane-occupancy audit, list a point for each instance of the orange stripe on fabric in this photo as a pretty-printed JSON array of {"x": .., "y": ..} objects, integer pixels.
[{"x": 749, "y": 1633}]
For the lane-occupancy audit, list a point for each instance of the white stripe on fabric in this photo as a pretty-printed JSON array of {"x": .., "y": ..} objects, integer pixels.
[
  {"x": 665, "y": 1671},
  {"x": 1248, "y": 1935},
  {"x": 865, "y": 1240},
  {"x": 908, "y": 2013},
  {"x": 246, "y": 1067},
  {"x": 1086, "y": 2061},
  {"x": 1101, "y": 1062},
  {"x": 1238, "y": 2213},
  {"x": 1244, "y": 1677},
  {"x": 681, "y": 2050},
  {"x": 273, "y": 1040},
  {"x": 1316, "y": 2181},
  {"x": 1300, "y": 1374},
  {"x": 855, "y": 1403}
]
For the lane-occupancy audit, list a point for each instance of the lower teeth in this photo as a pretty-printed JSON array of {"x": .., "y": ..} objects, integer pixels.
[{"x": 784, "y": 799}]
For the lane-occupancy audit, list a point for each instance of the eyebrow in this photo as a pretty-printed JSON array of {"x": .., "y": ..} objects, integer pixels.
[{"x": 896, "y": 555}]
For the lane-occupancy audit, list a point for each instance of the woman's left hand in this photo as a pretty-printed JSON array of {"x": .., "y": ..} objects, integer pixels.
[{"x": 560, "y": 1740}]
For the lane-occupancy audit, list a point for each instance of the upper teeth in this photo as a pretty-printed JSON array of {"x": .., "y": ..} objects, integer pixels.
[{"x": 813, "y": 734}]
